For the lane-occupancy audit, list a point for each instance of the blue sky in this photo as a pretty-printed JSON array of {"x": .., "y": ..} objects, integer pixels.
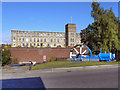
[{"x": 47, "y": 16}]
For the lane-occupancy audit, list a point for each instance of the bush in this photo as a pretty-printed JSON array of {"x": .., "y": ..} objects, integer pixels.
[
  {"x": 53, "y": 58},
  {"x": 59, "y": 46},
  {"x": 15, "y": 61},
  {"x": 6, "y": 57},
  {"x": 0, "y": 56}
]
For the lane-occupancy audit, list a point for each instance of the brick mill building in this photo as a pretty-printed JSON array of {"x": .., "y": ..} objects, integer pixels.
[{"x": 46, "y": 39}]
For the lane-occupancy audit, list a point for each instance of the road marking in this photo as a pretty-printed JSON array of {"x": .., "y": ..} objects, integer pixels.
[
  {"x": 90, "y": 66},
  {"x": 48, "y": 71},
  {"x": 106, "y": 65},
  {"x": 80, "y": 67},
  {"x": 75, "y": 67},
  {"x": 61, "y": 68}
]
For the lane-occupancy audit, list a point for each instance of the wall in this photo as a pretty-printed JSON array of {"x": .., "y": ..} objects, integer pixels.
[{"x": 36, "y": 54}]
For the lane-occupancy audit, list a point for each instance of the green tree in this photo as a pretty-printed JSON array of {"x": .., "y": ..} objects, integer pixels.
[
  {"x": 107, "y": 27},
  {"x": 103, "y": 33},
  {"x": 6, "y": 57},
  {"x": 0, "y": 55},
  {"x": 119, "y": 35}
]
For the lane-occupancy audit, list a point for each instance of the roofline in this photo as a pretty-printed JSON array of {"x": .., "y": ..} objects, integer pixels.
[{"x": 36, "y": 31}]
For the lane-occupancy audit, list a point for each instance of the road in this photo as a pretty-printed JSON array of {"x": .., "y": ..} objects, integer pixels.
[
  {"x": 104, "y": 78},
  {"x": 84, "y": 78}
]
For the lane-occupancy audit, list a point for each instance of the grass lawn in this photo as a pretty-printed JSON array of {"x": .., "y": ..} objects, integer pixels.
[
  {"x": 51, "y": 64},
  {"x": 88, "y": 64},
  {"x": 65, "y": 64}
]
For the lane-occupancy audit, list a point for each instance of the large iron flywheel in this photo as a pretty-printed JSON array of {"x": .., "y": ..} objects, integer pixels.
[{"x": 81, "y": 50}]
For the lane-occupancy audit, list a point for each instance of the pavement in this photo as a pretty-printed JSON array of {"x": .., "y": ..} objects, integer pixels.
[
  {"x": 100, "y": 76},
  {"x": 22, "y": 71}
]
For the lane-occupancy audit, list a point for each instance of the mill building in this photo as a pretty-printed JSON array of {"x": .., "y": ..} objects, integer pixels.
[{"x": 46, "y": 39}]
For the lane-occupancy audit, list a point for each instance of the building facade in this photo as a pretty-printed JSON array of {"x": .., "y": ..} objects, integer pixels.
[{"x": 46, "y": 39}]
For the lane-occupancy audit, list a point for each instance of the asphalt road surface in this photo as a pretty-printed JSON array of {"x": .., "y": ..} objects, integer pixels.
[
  {"x": 105, "y": 78},
  {"x": 93, "y": 78}
]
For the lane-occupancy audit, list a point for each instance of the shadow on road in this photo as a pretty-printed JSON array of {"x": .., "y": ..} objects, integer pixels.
[{"x": 32, "y": 82}]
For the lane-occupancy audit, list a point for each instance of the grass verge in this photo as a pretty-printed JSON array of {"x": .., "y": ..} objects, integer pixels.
[
  {"x": 51, "y": 64},
  {"x": 65, "y": 64},
  {"x": 88, "y": 64}
]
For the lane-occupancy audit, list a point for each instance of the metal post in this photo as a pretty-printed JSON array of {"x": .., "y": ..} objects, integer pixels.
[{"x": 30, "y": 65}]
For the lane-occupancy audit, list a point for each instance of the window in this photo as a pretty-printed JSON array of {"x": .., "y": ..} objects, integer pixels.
[
  {"x": 41, "y": 35},
  {"x": 38, "y": 40},
  {"x": 44, "y": 44},
  {"x": 41, "y": 44},
  {"x": 19, "y": 39},
  {"x": 27, "y": 40},
  {"x": 47, "y": 40},
  {"x": 23, "y": 34},
  {"x": 23, "y": 44},
  {"x": 48, "y": 34},
  {"x": 79, "y": 41},
  {"x": 76, "y": 41},
  {"x": 64, "y": 40},
  {"x": 51, "y": 34},
  {"x": 72, "y": 35},
  {"x": 72, "y": 29},
  {"x": 44, "y": 34},
  {"x": 30, "y": 44},
  {"x": 54, "y": 34},
  {"x": 34, "y": 44},
  {"x": 37, "y": 34},
  {"x": 30, "y": 39},
  {"x": 14, "y": 34},
  {"x": 19, "y": 44},
  {"x": 23, "y": 39},
  {"x": 34, "y": 34},
  {"x": 37, "y": 44},
  {"x": 41, "y": 39},
  {"x": 54, "y": 44},
  {"x": 78, "y": 35},
  {"x": 58, "y": 40},
  {"x": 58, "y": 35},
  {"x": 72, "y": 44},
  {"x": 72, "y": 40},
  {"x": 30, "y": 34},
  {"x": 48, "y": 45},
  {"x": 14, "y": 44},
  {"x": 51, "y": 40},
  {"x": 14, "y": 38},
  {"x": 51, "y": 45},
  {"x": 34, "y": 39},
  {"x": 54, "y": 40},
  {"x": 19, "y": 34},
  {"x": 61, "y": 40},
  {"x": 44, "y": 40},
  {"x": 27, "y": 34}
]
